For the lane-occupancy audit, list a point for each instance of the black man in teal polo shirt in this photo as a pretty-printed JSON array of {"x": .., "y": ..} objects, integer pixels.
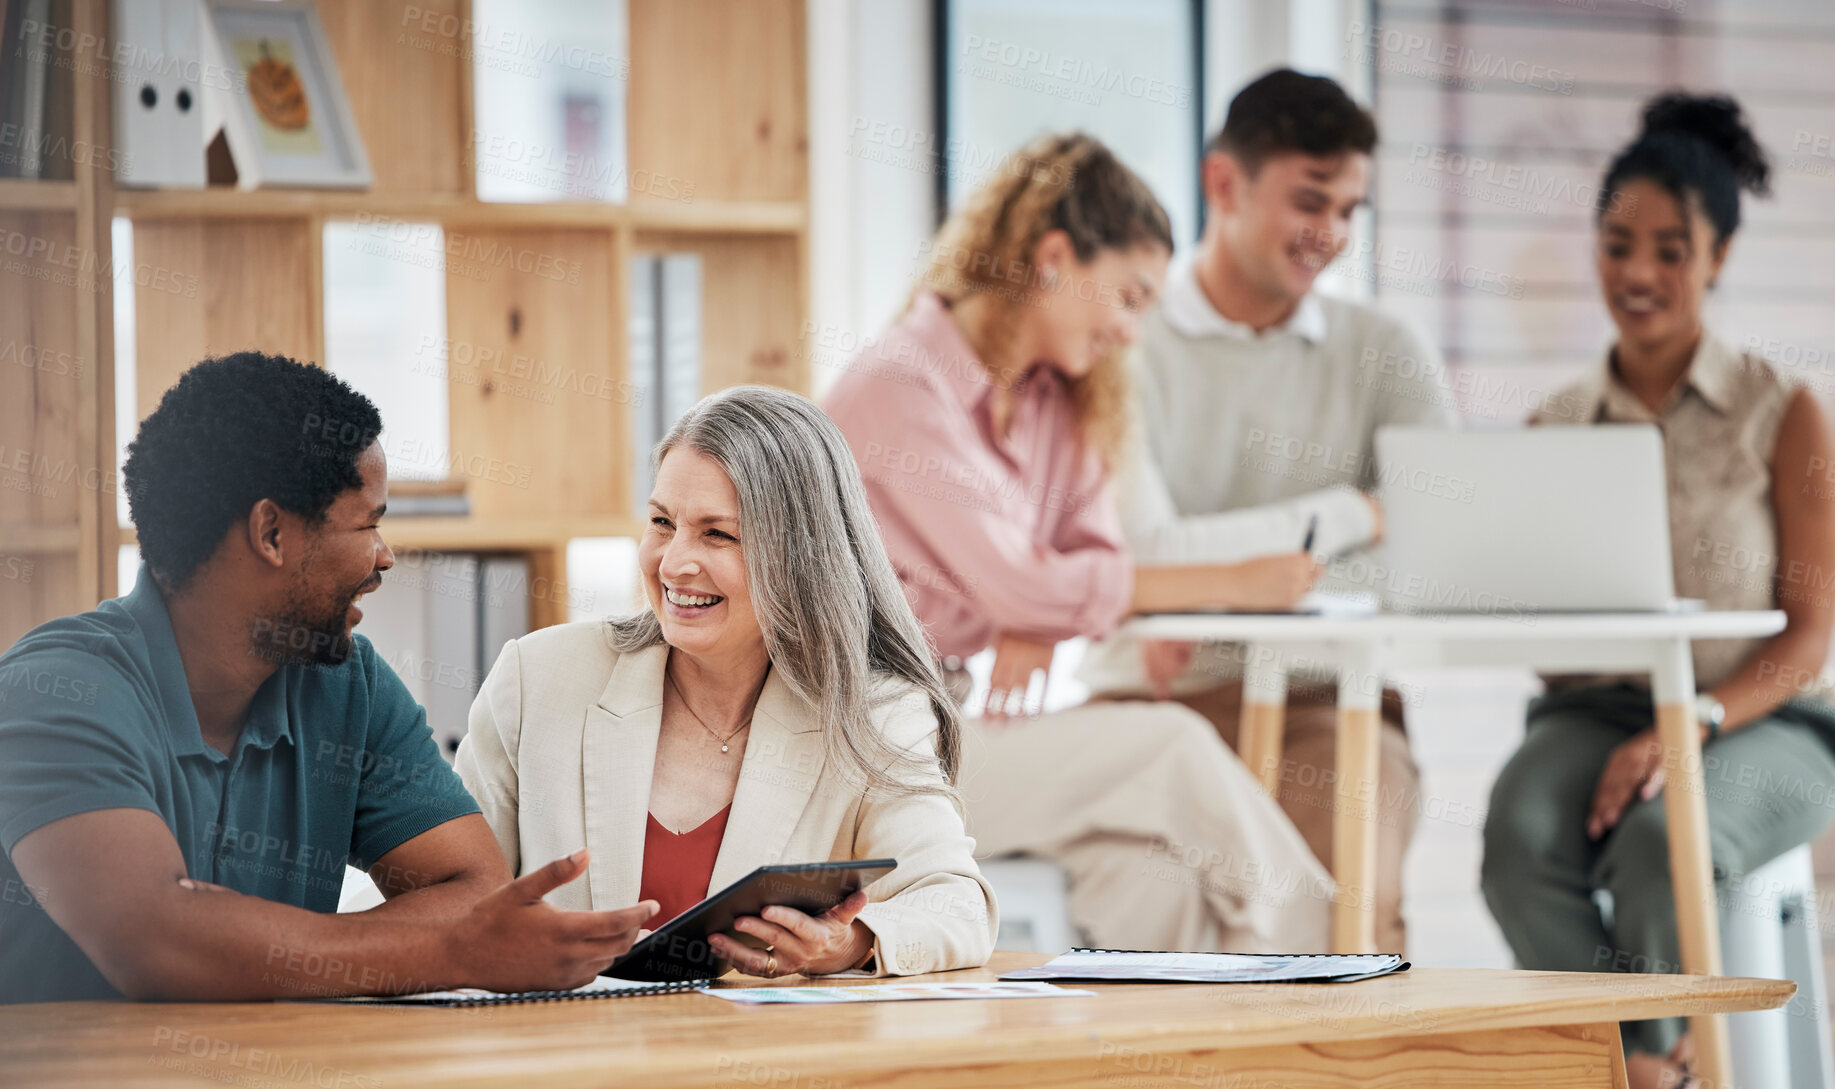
[{"x": 186, "y": 770}]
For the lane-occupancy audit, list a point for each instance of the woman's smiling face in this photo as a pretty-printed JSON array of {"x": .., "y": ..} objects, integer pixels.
[
  {"x": 693, "y": 562},
  {"x": 1655, "y": 265}
]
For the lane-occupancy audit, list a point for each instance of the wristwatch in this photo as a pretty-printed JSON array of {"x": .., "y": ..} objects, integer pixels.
[{"x": 1710, "y": 712}]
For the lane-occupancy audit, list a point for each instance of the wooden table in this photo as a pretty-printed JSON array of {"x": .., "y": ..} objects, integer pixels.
[
  {"x": 1362, "y": 649},
  {"x": 1422, "y": 1030}
]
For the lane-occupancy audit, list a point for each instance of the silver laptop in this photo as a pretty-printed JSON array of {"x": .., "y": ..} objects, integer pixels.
[{"x": 1541, "y": 519}]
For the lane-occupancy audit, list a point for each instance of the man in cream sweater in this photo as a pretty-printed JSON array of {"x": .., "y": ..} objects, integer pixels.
[{"x": 1259, "y": 401}]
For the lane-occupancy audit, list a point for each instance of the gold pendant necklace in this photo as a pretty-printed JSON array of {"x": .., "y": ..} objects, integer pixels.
[{"x": 691, "y": 714}]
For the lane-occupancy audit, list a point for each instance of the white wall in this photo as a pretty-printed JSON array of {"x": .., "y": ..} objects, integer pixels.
[{"x": 873, "y": 199}]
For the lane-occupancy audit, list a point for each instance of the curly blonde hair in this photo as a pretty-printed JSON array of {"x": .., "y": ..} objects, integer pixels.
[{"x": 1070, "y": 182}]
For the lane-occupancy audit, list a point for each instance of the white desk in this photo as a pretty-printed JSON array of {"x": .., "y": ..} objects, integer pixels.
[{"x": 1362, "y": 649}]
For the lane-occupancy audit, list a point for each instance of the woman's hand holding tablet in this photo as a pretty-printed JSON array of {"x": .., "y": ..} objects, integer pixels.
[
  {"x": 800, "y": 944},
  {"x": 775, "y": 921}
]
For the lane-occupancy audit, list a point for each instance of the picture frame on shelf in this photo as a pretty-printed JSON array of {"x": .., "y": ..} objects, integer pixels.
[{"x": 282, "y": 107}]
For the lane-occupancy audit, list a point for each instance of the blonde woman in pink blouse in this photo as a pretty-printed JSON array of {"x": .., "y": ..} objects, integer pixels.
[{"x": 985, "y": 423}]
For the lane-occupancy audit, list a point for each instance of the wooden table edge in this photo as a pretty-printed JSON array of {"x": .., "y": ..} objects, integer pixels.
[{"x": 1662, "y": 996}]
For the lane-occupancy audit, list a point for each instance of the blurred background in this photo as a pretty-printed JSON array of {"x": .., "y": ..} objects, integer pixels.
[{"x": 578, "y": 216}]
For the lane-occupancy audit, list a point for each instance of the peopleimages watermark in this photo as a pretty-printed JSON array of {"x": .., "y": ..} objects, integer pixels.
[
  {"x": 22, "y": 677},
  {"x": 40, "y": 474},
  {"x": 515, "y": 374},
  {"x": 1472, "y": 390},
  {"x": 899, "y": 359},
  {"x": 501, "y": 47},
  {"x": 39, "y": 358},
  {"x": 908, "y": 147},
  {"x": 484, "y": 252},
  {"x": 121, "y": 60},
  {"x": 1677, "y": 6},
  {"x": 1741, "y": 566},
  {"x": 1811, "y": 153},
  {"x": 410, "y": 452},
  {"x": 560, "y": 170},
  {"x": 230, "y": 1062},
  {"x": 964, "y": 482},
  {"x": 1406, "y": 591},
  {"x": 1062, "y": 75},
  {"x": 734, "y": 1070},
  {"x": 1344, "y": 465},
  {"x": 65, "y": 264},
  {"x": 1814, "y": 364},
  {"x": 19, "y": 146},
  {"x": 17, "y": 568},
  {"x": 1511, "y": 184},
  {"x": 1411, "y": 53},
  {"x": 1414, "y": 269}
]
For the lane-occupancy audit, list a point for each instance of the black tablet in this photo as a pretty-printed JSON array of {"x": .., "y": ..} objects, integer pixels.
[{"x": 680, "y": 950}]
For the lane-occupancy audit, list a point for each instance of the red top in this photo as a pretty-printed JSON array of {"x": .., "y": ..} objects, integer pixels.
[{"x": 677, "y": 868}]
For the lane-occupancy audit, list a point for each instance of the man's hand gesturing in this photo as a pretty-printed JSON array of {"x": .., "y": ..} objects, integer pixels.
[{"x": 513, "y": 940}]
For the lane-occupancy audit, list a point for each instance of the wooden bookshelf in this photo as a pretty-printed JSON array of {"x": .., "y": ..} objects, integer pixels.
[
  {"x": 57, "y": 489},
  {"x": 715, "y": 95}
]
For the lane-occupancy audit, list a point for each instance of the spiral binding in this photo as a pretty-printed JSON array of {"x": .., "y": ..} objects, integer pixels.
[
  {"x": 521, "y": 997},
  {"x": 1283, "y": 956}
]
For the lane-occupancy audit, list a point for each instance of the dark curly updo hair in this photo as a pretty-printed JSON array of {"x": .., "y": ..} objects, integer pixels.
[
  {"x": 236, "y": 430},
  {"x": 1695, "y": 146}
]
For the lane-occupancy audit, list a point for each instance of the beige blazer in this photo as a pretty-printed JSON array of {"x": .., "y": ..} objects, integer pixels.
[{"x": 560, "y": 751}]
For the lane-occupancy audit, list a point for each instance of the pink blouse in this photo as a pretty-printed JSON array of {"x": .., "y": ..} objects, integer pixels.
[{"x": 988, "y": 534}]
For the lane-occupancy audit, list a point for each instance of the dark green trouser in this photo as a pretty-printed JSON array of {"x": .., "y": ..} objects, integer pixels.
[{"x": 1770, "y": 788}]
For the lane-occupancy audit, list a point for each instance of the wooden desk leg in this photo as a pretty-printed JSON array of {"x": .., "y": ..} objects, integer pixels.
[
  {"x": 1621, "y": 1078},
  {"x": 1355, "y": 812},
  {"x": 1690, "y": 862},
  {"x": 1264, "y": 713}
]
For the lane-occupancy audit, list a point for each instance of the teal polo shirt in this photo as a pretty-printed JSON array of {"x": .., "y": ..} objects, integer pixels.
[{"x": 334, "y": 763}]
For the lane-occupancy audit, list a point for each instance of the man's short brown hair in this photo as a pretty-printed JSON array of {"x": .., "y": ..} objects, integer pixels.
[{"x": 1286, "y": 111}]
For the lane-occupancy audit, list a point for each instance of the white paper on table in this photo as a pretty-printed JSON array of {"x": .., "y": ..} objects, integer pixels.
[{"x": 891, "y": 992}]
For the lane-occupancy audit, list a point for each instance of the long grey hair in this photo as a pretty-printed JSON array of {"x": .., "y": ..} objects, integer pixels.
[{"x": 834, "y": 618}]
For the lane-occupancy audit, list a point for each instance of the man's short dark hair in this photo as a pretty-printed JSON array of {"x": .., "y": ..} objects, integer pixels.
[
  {"x": 1286, "y": 111},
  {"x": 236, "y": 430}
]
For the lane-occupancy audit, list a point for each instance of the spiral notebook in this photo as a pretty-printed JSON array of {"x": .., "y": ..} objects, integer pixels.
[
  {"x": 602, "y": 987},
  {"x": 1144, "y": 966}
]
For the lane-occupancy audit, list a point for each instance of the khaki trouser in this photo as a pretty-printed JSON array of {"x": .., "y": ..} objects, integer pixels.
[
  {"x": 1309, "y": 757},
  {"x": 1169, "y": 842}
]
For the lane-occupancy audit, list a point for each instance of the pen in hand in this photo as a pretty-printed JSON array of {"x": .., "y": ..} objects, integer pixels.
[{"x": 1312, "y": 530}]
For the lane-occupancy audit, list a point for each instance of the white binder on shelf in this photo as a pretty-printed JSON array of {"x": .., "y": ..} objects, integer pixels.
[{"x": 158, "y": 93}]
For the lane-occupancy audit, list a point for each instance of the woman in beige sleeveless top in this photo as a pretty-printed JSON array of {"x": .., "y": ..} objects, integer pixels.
[{"x": 1752, "y": 526}]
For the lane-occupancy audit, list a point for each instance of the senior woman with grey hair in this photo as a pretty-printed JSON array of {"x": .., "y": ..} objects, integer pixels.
[{"x": 776, "y": 702}]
